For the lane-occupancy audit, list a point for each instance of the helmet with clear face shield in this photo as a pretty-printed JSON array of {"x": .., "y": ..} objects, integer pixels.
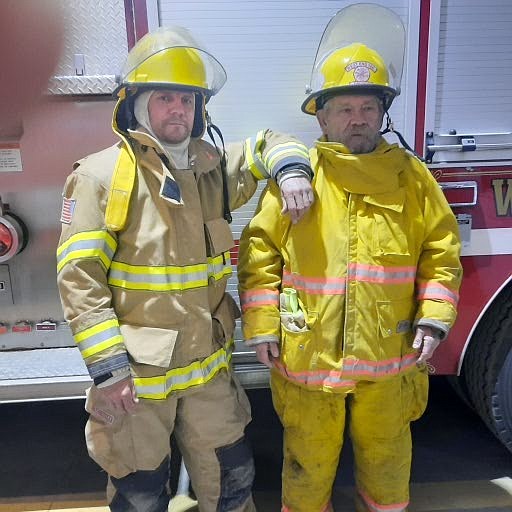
[
  {"x": 361, "y": 52},
  {"x": 168, "y": 58}
]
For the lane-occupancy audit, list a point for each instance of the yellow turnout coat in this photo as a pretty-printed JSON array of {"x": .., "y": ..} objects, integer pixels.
[{"x": 376, "y": 254}]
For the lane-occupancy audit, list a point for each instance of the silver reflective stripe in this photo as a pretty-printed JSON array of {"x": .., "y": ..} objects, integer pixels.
[
  {"x": 100, "y": 337},
  {"x": 286, "y": 153},
  {"x": 90, "y": 244},
  {"x": 171, "y": 277}
]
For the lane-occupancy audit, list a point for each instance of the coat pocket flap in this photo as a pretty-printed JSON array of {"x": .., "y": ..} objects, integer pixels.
[
  {"x": 149, "y": 345},
  {"x": 218, "y": 236},
  {"x": 395, "y": 317},
  {"x": 224, "y": 319}
]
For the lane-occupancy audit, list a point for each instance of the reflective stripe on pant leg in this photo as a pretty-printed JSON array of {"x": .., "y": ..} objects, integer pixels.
[
  {"x": 237, "y": 475},
  {"x": 381, "y": 413},
  {"x": 142, "y": 491},
  {"x": 313, "y": 424}
]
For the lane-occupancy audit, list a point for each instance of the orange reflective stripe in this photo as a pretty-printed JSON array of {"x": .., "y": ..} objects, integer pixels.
[
  {"x": 380, "y": 274},
  {"x": 387, "y": 367},
  {"x": 315, "y": 285},
  {"x": 437, "y": 291},
  {"x": 373, "y": 506},
  {"x": 352, "y": 369},
  {"x": 259, "y": 297},
  {"x": 356, "y": 272},
  {"x": 327, "y": 378}
]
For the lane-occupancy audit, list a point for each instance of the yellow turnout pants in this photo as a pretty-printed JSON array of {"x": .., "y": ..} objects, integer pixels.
[{"x": 379, "y": 425}]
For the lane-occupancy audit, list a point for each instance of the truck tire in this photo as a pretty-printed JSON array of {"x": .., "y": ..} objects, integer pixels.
[
  {"x": 502, "y": 402},
  {"x": 487, "y": 368}
]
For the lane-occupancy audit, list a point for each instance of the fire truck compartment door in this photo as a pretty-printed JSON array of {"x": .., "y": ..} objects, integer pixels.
[{"x": 468, "y": 96}]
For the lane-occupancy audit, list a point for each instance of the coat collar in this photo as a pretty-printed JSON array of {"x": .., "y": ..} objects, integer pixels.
[
  {"x": 202, "y": 156},
  {"x": 369, "y": 173}
]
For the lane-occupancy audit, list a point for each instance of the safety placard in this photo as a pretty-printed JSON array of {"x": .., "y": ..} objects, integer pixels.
[{"x": 10, "y": 157}]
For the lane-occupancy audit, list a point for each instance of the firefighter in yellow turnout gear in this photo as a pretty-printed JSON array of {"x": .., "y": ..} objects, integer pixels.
[
  {"x": 347, "y": 305},
  {"x": 143, "y": 261}
]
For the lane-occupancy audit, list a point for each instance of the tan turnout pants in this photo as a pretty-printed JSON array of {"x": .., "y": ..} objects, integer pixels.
[{"x": 208, "y": 423}]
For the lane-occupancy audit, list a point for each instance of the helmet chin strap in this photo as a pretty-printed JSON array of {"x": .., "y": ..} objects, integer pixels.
[
  {"x": 390, "y": 129},
  {"x": 210, "y": 128}
]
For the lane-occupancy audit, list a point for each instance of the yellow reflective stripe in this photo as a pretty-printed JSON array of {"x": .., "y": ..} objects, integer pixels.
[
  {"x": 170, "y": 277},
  {"x": 226, "y": 271},
  {"x": 178, "y": 379},
  {"x": 99, "y": 337},
  {"x": 121, "y": 186},
  {"x": 283, "y": 151},
  {"x": 260, "y": 140},
  {"x": 95, "y": 329},
  {"x": 90, "y": 244},
  {"x": 253, "y": 158},
  {"x": 220, "y": 266}
]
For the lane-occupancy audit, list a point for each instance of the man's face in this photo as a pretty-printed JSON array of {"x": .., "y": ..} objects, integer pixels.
[
  {"x": 171, "y": 114},
  {"x": 354, "y": 121}
]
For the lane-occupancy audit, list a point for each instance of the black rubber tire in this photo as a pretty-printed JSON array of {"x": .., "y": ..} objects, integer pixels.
[
  {"x": 487, "y": 368},
  {"x": 502, "y": 403}
]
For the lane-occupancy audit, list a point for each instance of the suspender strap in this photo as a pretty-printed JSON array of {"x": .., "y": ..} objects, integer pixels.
[{"x": 210, "y": 128}]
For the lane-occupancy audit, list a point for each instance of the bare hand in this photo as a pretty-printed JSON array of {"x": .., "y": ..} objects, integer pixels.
[
  {"x": 297, "y": 195},
  {"x": 265, "y": 352},
  {"x": 120, "y": 396},
  {"x": 426, "y": 340}
]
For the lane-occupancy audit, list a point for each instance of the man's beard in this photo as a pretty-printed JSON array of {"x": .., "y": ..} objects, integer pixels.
[{"x": 364, "y": 143}]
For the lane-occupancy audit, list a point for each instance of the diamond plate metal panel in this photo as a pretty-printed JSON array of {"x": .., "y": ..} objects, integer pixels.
[
  {"x": 96, "y": 33},
  {"x": 30, "y": 364},
  {"x": 103, "y": 84}
]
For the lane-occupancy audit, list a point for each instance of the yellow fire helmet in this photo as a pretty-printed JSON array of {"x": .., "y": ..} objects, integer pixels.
[
  {"x": 354, "y": 69},
  {"x": 168, "y": 57},
  {"x": 361, "y": 52}
]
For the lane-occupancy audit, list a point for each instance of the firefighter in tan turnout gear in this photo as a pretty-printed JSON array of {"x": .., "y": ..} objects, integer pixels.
[
  {"x": 143, "y": 261},
  {"x": 347, "y": 305}
]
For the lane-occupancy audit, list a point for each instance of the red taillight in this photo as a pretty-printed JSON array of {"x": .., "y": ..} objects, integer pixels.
[{"x": 6, "y": 240}]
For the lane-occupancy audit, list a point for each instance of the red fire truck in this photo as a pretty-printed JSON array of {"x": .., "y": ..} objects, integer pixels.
[{"x": 455, "y": 107}]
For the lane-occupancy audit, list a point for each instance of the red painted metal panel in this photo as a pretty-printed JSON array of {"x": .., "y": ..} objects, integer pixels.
[
  {"x": 140, "y": 15},
  {"x": 422, "y": 75},
  {"x": 483, "y": 276},
  {"x": 494, "y": 203},
  {"x": 130, "y": 26},
  {"x": 136, "y": 20}
]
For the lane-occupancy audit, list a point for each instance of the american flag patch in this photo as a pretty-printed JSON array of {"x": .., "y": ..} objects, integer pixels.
[{"x": 68, "y": 208}]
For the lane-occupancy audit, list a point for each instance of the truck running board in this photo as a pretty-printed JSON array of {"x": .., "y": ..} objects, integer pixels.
[{"x": 60, "y": 374}]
